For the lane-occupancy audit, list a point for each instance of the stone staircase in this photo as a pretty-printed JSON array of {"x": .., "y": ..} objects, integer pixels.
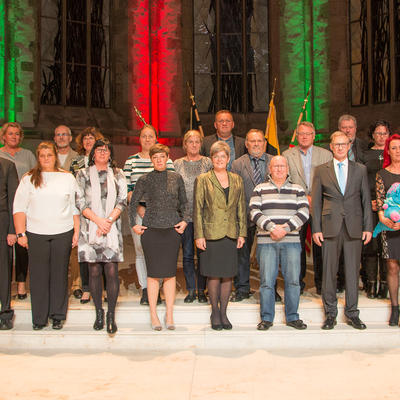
[{"x": 194, "y": 331}]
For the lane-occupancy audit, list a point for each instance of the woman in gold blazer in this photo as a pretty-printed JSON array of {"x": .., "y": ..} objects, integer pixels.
[{"x": 219, "y": 217}]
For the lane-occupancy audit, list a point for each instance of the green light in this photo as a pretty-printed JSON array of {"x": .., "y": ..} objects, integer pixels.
[
  {"x": 2, "y": 58},
  {"x": 11, "y": 63}
]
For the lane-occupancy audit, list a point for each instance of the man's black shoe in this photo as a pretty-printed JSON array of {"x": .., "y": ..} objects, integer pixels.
[
  {"x": 38, "y": 327},
  {"x": 356, "y": 323},
  {"x": 191, "y": 297},
  {"x": 202, "y": 298},
  {"x": 264, "y": 325},
  {"x": 239, "y": 296},
  {"x": 329, "y": 323},
  {"x": 6, "y": 324},
  {"x": 297, "y": 324},
  {"x": 57, "y": 324}
]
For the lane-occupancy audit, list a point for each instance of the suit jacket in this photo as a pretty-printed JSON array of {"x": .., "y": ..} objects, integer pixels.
[
  {"x": 242, "y": 166},
  {"x": 208, "y": 141},
  {"x": 8, "y": 186},
  {"x": 296, "y": 171},
  {"x": 70, "y": 156},
  {"x": 358, "y": 147},
  {"x": 330, "y": 208},
  {"x": 213, "y": 217}
]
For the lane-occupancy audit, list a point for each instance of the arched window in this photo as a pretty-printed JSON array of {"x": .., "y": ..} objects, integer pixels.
[{"x": 75, "y": 53}]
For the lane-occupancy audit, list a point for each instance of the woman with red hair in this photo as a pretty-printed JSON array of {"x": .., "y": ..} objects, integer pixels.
[{"x": 385, "y": 178}]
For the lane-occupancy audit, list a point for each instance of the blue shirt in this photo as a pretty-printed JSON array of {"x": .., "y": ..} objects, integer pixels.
[
  {"x": 231, "y": 144},
  {"x": 306, "y": 160}
]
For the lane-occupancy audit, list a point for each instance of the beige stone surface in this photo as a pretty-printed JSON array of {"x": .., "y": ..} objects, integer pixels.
[{"x": 343, "y": 375}]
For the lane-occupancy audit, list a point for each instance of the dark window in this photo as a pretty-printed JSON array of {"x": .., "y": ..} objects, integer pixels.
[
  {"x": 75, "y": 45},
  {"x": 231, "y": 55}
]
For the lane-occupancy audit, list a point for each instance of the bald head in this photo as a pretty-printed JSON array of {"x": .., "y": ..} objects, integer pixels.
[{"x": 278, "y": 169}]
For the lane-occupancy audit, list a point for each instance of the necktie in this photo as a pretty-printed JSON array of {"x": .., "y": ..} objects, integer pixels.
[
  {"x": 257, "y": 171},
  {"x": 350, "y": 154},
  {"x": 341, "y": 177}
]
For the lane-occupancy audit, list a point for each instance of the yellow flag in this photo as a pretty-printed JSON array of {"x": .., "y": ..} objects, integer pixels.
[{"x": 271, "y": 131}]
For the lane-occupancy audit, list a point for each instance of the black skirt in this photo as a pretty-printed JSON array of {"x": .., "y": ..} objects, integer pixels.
[
  {"x": 220, "y": 259},
  {"x": 160, "y": 248}
]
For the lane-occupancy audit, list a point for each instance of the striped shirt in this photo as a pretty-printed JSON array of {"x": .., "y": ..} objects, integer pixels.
[
  {"x": 135, "y": 167},
  {"x": 270, "y": 205}
]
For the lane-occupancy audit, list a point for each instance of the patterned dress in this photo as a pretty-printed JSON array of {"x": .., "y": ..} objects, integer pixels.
[{"x": 95, "y": 253}]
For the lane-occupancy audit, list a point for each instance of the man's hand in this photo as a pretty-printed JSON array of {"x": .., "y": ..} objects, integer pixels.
[
  {"x": 23, "y": 241},
  {"x": 139, "y": 229},
  {"x": 373, "y": 205},
  {"x": 180, "y": 227},
  {"x": 318, "y": 238},
  {"x": 366, "y": 237},
  {"x": 201, "y": 243},
  {"x": 278, "y": 232},
  {"x": 11, "y": 239}
]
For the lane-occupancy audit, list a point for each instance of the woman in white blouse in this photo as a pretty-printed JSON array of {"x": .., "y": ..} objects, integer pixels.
[{"x": 47, "y": 224}]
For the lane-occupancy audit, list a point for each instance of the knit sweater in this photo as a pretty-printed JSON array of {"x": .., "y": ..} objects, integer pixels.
[{"x": 270, "y": 205}]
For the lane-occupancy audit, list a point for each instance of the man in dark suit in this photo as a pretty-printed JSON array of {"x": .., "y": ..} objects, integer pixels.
[
  {"x": 253, "y": 168},
  {"x": 8, "y": 186},
  {"x": 302, "y": 160},
  {"x": 341, "y": 220},
  {"x": 224, "y": 124},
  {"x": 348, "y": 125}
]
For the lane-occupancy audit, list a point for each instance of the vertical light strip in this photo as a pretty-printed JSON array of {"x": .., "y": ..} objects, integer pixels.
[
  {"x": 2, "y": 59},
  {"x": 11, "y": 56}
]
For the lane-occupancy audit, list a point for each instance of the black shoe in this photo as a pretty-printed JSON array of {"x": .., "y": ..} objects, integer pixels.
[
  {"x": 38, "y": 327},
  {"x": 6, "y": 324},
  {"x": 57, "y": 324},
  {"x": 99, "y": 322},
  {"x": 319, "y": 291},
  {"x": 383, "y": 290},
  {"x": 216, "y": 327},
  {"x": 371, "y": 290},
  {"x": 298, "y": 324},
  {"x": 77, "y": 293},
  {"x": 356, "y": 323},
  {"x": 239, "y": 296},
  {"x": 22, "y": 296},
  {"x": 264, "y": 325},
  {"x": 191, "y": 297},
  {"x": 111, "y": 325},
  {"x": 85, "y": 301},
  {"x": 394, "y": 316},
  {"x": 278, "y": 297},
  {"x": 144, "y": 300},
  {"x": 340, "y": 289},
  {"x": 227, "y": 326},
  {"x": 201, "y": 297},
  {"x": 329, "y": 323},
  {"x": 159, "y": 300}
]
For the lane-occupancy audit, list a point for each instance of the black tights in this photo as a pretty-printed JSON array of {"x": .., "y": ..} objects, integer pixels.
[
  {"x": 219, "y": 290},
  {"x": 393, "y": 281},
  {"x": 96, "y": 284}
]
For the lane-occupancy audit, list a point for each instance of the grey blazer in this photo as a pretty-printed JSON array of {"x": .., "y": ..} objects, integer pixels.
[
  {"x": 296, "y": 170},
  {"x": 70, "y": 156},
  {"x": 330, "y": 208},
  {"x": 242, "y": 166},
  {"x": 208, "y": 141}
]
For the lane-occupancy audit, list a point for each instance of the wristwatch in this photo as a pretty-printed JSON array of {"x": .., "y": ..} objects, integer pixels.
[
  {"x": 21, "y": 234},
  {"x": 110, "y": 219}
]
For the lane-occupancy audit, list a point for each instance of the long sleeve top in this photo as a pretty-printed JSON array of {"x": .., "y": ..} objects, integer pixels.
[{"x": 165, "y": 197}]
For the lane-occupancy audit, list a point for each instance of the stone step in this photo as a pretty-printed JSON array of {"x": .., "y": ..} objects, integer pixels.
[{"x": 73, "y": 338}]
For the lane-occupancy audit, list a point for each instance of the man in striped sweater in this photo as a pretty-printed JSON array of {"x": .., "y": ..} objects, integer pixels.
[{"x": 279, "y": 208}]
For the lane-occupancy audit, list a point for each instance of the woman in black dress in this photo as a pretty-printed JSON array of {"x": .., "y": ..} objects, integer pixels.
[
  {"x": 373, "y": 264},
  {"x": 385, "y": 178},
  {"x": 164, "y": 221},
  {"x": 219, "y": 217}
]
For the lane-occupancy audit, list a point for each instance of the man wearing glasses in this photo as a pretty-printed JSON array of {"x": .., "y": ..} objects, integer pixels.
[
  {"x": 341, "y": 220},
  {"x": 348, "y": 125},
  {"x": 62, "y": 139},
  {"x": 302, "y": 160},
  {"x": 224, "y": 125}
]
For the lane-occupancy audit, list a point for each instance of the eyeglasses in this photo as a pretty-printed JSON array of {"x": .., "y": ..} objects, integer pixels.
[
  {"x": 91, "y": 138},
  {"x": 382, "y": 133},
  {"x": 98, "y": 150},
  {"x": 305, "y": 133},
  {"x": 338, "y": 145},
  {"x": 62, "y": 134}
]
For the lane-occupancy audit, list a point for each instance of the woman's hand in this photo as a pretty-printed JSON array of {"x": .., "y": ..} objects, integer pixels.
[
  {"x": 139, "y": 229},
  {"x": 240, "y": 242},
  {"x": 103, "y": 224},
  {"x": 396, "y": 226},
  {"x": 180, "y": 227},
  {"x": 23, "y": 241},
  {"x": 11, "y": 239},
  {"x": 75, "y": 238},
  {"x": 387, "y": 221},
  {"x": 201, "y": 243}
]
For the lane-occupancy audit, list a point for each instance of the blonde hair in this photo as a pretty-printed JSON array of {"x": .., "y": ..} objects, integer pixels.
[
  {"x": 7, "y": 125},
  {"x": 307, "y": 124},
  {"x": 220, "y": 146},
  {"x": 189, "y": 134},
  {"x": 339, "y": 134},
  {"x": 36, "y": 171}
]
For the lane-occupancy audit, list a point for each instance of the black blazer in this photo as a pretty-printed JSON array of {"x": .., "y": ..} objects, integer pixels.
[{"x": 8, "y": 186}]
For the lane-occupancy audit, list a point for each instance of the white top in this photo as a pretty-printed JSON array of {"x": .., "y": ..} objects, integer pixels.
[
  {"x": 345, "y": 167},
  {"x": 50, "y": 208}
]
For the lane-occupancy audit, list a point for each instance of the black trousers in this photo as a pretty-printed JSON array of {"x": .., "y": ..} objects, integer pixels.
[
  {"x": 242, "y": 279},
  {"x": 317, "y": 258},
  {"x": 5, "y": 269},
  {"x": 331, "y": 250},
  {"x": 49, "y": 258},
  {"x": 21, "y": 263}
]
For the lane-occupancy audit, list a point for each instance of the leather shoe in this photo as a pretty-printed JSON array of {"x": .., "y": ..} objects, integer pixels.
[
  {"x": 191, "y": 297},
  {"x": 329, "y": 323},
  {"x": 144, "y": 300},
  {"x": 356, "y": 323},
  {"x": 201, "y": 297},
  {"x": 239, "y": 296},
  {"x": 297, "y": 324},
  {"x": 77, "y": 293},
  {"x": 84, "y": 301},
  {"x": 57, "y": 324},
  {"x": 22, "y": 296},
  {"x": 38, "y": 327},
  {"x": 6, "y": 324},
  {"x": 264, "y": 325}
]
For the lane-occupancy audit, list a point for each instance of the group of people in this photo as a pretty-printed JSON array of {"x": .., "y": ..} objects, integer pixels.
[{"x": 225, "y": 192}]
